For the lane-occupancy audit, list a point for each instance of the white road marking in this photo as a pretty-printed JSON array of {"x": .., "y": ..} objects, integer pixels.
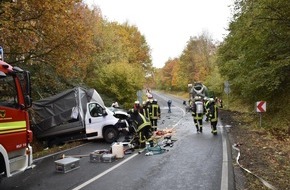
[
  {"x": 104, "y": 173},
  {"x": 225, "y": 179}
]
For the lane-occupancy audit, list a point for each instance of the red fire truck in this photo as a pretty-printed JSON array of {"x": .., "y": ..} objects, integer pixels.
[{"x": 15, "y": 133}]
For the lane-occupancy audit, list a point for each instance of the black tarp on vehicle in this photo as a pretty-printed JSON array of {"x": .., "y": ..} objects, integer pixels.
[{"x": 65, "y": 110}]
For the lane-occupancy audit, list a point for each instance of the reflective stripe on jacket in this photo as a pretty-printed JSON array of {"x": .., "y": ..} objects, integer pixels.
[
  {"x": 213, "y": 112},
  {"x": 142, "y": 121},
  {"x": 155, "y": 111}
]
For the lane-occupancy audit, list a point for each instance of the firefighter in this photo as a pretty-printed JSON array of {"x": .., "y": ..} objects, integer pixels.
[
  {"x": 197, "y": 111},
  {"x": 141, "y": 127},
  {"x": 138, "y": 107},
  {"x": 155, "y": 114},
  {"x": 219, "y": 102},
  {"x": 169, "y": 105},
  {"x": 206, "y": 102},
  {"x": 145, "y": 107},
  {"x": 213, "y": 116}
]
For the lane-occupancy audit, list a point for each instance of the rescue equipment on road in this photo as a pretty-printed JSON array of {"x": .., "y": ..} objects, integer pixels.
[
  {"x": 118, "y": 150},
  {"x": 66, "y": 165}
]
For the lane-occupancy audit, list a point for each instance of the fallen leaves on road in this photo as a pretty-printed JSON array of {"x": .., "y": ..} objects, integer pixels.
[{"x": 263, "y": 153}]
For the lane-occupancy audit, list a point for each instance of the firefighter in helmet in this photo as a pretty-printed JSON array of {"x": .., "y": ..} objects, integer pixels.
[
  {"x": 146, "y": 108},
  {"x": 141, "y": 128},
  {"x": 155, "y": 114},
  {"x": 137, "y": 107},
  {"x": 197, "y": 111},
  {"x": 213, "y": 115}
]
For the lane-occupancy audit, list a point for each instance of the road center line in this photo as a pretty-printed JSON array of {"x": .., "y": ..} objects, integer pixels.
[{"x": 104, "y": 173}]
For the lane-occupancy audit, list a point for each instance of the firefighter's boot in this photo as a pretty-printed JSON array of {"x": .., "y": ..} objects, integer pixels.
[{"x": 214, "y": 130}]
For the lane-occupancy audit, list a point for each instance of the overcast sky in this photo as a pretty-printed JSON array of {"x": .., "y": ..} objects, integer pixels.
[{"x": 168, "y": 24}]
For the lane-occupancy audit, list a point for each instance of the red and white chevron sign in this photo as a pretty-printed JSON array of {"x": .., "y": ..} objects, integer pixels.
[{"x": 261, "y": 106}]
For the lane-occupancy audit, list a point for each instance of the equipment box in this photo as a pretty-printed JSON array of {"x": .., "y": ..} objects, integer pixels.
[
  {"x": 67, "y": 164},
  {"x": 95, "y": 157},
  {"x": 108, "y": 157}
]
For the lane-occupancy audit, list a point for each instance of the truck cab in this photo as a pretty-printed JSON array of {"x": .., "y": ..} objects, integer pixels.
[
  {"x": 102, "y": 123},
  {"x": 15, "y": 133}
]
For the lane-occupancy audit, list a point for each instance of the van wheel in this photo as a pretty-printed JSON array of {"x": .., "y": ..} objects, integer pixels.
[{"x": 111, "y": 134}]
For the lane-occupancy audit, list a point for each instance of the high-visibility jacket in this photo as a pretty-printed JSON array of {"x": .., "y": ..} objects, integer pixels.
[
  {"x": 139, "y": 121},
  {"x": 206, "y": 104},
  {"x": 143, "y": 126},
  {"x": 213, "y": 112},
  {"x": 154, "y": 111},
  {"x": 146, "y": 111}
]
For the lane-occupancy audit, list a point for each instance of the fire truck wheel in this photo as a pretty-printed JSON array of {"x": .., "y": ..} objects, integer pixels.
[{"x": 111, "y": 134}]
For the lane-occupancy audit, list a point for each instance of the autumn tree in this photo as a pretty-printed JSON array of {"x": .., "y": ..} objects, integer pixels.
[
  {"x": 121, "y": 46},
  {"x": 195, "y": 64},
  {"x": 195, "y": 58},
  {"x": 121, "y": 42},
  {"x": 255, "y": 55},
  {"x": 51, "y": 38},
  {"x": 170, "y": 76}
]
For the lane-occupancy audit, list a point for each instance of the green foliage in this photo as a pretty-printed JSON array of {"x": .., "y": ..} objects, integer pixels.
[
  {"x": 215, "y": 82},
  {"x": 119, "y": 80},
  {"x": 254, "y": 58},
  {"x": 255, "y": 55},
  {"x": 119, "y": 66},
  {"x": 121, "y": 43}
]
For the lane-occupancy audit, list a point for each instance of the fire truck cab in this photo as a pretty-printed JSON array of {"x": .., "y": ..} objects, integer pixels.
[{"x": 15, "y": 133}]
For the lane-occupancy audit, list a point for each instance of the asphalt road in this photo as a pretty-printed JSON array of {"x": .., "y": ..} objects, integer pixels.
[{"x": 195, "y": 162}]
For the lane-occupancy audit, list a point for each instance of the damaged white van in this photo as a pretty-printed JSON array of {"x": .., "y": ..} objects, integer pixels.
[{"x": 76, "y": 113}]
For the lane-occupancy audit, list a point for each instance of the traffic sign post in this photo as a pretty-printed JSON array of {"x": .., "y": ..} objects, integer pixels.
[
  {"x": 227, "y": 90},
  {"x": 189, "y": 86},
  {"x": 260, "y": 108}
]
